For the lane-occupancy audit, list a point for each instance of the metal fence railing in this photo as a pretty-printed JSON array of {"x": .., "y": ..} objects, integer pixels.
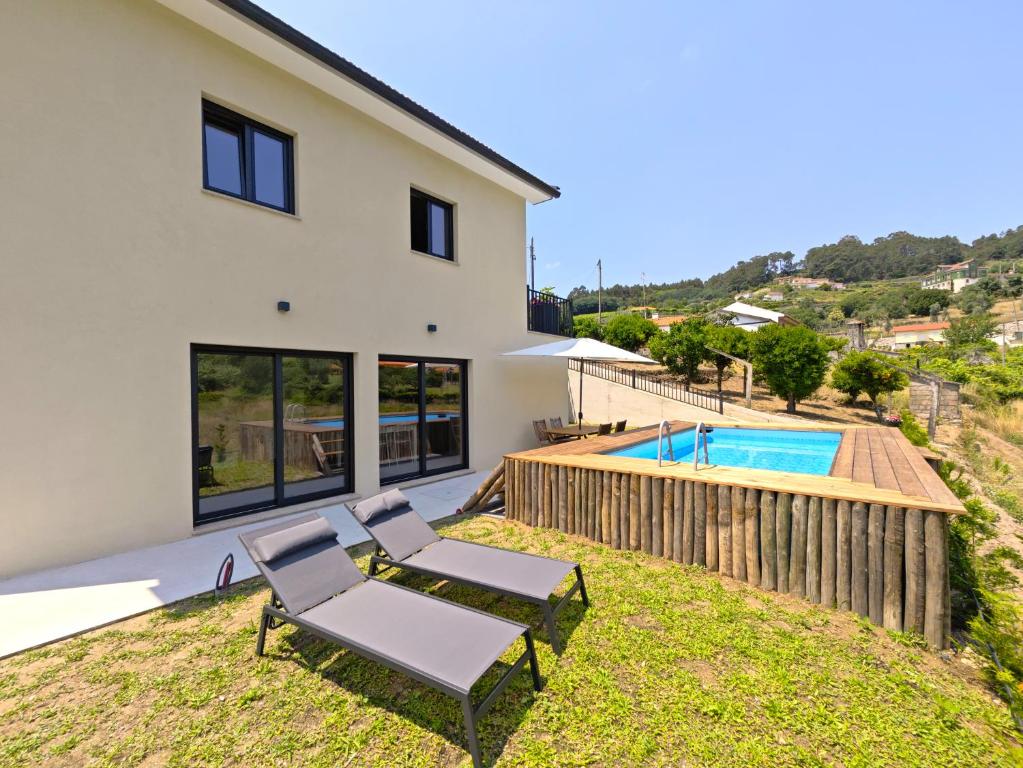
[
  {"x": 547, "y": 313},
  {"x": 701, "y": 398}
]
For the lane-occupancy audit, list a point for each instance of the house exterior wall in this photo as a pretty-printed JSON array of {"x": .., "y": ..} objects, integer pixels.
[
  {"x": 115, "y": 260},
  {"x": 906, "y": 339}
]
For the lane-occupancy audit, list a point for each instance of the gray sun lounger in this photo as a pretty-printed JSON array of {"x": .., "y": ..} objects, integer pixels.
[
  {"x": 405, "y": 540},
  {"x": 317, "y": 587}
]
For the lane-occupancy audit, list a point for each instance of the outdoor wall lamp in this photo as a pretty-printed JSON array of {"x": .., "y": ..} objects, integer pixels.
[
  {"x": 283, "y": 306},
  {"x": 431, "y": 327}
]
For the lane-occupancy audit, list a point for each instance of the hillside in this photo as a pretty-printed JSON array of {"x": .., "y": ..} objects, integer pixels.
[{"x": 850, "y": 260}]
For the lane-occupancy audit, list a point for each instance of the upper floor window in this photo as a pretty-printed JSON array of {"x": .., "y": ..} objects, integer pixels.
[
  {"x": 246, "y": 159},
  {"x": 431, "y": 226}
]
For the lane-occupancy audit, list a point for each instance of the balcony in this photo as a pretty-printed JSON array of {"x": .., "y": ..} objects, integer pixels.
[{"x": 547, "y": 313}]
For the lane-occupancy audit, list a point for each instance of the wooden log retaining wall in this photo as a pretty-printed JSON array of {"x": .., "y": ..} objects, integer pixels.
[{"x": 887, "y": 563}]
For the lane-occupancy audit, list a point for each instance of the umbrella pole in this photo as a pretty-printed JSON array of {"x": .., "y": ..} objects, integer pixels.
[{"x": 580, "y": 391}]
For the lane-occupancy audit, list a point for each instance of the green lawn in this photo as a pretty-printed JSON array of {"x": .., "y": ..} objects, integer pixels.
[{"x": 670, "y": 666}]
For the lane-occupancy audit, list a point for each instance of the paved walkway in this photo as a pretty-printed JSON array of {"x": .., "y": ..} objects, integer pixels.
[{"x": 48, "y": 605}]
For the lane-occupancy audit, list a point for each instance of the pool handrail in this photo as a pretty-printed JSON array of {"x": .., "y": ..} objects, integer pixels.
[
  {"x": 661, "y": 428},
  {"x": 700, "y": 427}
]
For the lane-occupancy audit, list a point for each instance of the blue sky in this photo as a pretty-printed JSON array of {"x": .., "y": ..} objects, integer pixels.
[{"x": 688, "y": 135}]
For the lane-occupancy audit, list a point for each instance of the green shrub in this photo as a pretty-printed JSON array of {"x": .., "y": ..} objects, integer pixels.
[
  {"x": 682, "y": 348},
  {"x": 911, "y": 428},
  {"x": 791, "y": 360},
  {"x": 629, "y": 331},
  {"x": 587, "y": 328}
]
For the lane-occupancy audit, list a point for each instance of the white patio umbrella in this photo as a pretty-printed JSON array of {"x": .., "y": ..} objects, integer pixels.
[{"x": 582, "y": 350}]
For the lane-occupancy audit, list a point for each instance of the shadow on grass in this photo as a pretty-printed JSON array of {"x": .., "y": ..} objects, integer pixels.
[{"x": 417, "y": 703}]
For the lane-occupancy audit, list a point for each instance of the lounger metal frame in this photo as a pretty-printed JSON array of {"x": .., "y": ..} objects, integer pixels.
[
  {"x": 275, "y": 616},
  {"x": 550, "y": 612}
]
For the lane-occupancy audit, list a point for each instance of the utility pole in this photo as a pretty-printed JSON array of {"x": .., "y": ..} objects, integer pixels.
[
  {"x": 600, "y": 288},
  {"x": 532, "y": 265}
]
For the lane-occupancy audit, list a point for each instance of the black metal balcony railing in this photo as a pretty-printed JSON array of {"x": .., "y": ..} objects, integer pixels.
[{"x": 547, "y": 313}]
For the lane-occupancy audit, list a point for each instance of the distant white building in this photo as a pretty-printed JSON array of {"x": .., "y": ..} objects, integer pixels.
[
  {"x": 953, "y": 277},
  {"x": 915, "y": 335},
  {"x": 749, "y": 317}
]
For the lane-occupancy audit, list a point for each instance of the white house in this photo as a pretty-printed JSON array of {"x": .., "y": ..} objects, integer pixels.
[
  {"x": 917, "y": 334},
  {"x": 240, "y": 274},
  {"x": 749, "y": 317}
]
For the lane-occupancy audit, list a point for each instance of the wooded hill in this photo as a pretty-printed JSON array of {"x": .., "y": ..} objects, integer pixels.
[{"x": 850, "y": 260}]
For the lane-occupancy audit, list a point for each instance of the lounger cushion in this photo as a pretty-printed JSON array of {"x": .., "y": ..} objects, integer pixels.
[
  {"x": 528, "y": 576},
  {"x": 307, "y": 576},
  {"x": 274, "y": 546},
  {"x": 395, "y": 499},
  {"x": 369, "y": 508},
  {"x": 445, "y": 641},
  {"x": 401, "y": 532}
]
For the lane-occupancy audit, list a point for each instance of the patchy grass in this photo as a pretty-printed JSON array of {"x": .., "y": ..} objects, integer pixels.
[{"x": 670, "y": 666}]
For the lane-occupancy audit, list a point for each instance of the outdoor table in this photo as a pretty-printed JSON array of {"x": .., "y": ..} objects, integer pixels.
[{"x": 576, "y": 430}]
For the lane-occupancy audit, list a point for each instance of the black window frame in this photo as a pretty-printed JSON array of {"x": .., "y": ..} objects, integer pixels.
[
  {"x": 245, "y": 127},
  {"x": 422, "y": 437},
  {"x": 280, "y": 500},
  {"x": 449, "y": 224}
]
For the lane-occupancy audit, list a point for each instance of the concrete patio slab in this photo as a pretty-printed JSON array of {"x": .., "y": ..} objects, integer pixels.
[{"x": 49, "y": 605}]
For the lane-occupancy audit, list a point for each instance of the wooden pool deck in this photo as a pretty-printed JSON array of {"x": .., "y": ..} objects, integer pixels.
[
  {"x": 875, "y": 465},
  {"x": 871, "y": 536}
]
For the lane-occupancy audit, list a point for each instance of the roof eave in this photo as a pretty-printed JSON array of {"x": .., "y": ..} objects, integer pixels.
[{"x": 261, "y": 33}]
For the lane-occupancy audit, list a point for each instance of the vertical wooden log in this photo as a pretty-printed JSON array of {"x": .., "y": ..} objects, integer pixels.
[
  {"x": 623, "y": 511},
  {"x": 634, "y": 535},
  {"x": 829, "y": 531},
  {"x": 584, "y": 523},
  {"x": 570, "y": 499},
  {"x": 563, "y": 499},
  {"x": 725, "y": 529},
  {"x": 711, "y": 542},
  {"x": 508, "y": 470},
  {"x": 894, "y": 546},
  {"x": 914, "y": 535},
  {"x": 605, "y": 510},
  {"x": 547, "y": 496},
  {"x": 598, "y": 505},
  {"x": 537, "y": 493},
  {"x": 668, "y": 519},
  {"x": 646, "y": 533},
  {"x": 700, "y": 523},
  {"x": 797, "y": 551},
  {"x": 753, "y": 536},
  {"x": 688, "y": 521},
  {"x": 526, "y": 513},
  {"x": 860, "y": 601},
  {"x": 768, "y": 540},
  {"x": 657, "y": 515},
  {"x": 936, "y": 566},
  {"x": 615, "y": 524},
  {"x": 783, "y": 538},
  {"x": 580, "y": 501},
  {"x": 738, "y": 533},
  {"x": 813, "y": 550},
  {"x": 591, "y": 504},
  {"x": 677, "y": 522},
  {"x": 520, "y": 496},
  {"x": 843, "y": 555},
  {"x": 875, "y": 563}
]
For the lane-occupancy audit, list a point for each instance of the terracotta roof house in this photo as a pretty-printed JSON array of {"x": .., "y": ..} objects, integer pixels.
[
  {"x": 916, "y": 334},
  {"x": 245, "y": 275}
]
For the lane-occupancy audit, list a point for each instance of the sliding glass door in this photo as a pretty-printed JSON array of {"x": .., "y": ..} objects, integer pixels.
[
  {"x": 422, "y": 404},
  {"x": 270, "y": 428}
]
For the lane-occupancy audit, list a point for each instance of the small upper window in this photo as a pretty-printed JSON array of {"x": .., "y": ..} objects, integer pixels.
[
  {"x": 246, "y": 159},
  {"x": 431, "y": 226}
]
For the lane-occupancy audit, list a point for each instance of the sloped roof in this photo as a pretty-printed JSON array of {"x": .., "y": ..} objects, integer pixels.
[{"x": 920, "y": 327}]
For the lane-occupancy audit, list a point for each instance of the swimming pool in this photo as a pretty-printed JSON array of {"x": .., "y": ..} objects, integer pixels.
[
  {"x": 781, "y": 450},
  {"x": 398, "y": 418}
]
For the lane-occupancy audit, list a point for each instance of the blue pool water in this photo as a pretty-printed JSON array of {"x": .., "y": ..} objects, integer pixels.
[
  {"x": 400, "y": 418},
  {"x": 781, "y": 450}
]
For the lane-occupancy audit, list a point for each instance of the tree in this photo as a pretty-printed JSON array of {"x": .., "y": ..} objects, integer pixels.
[
  {"x": 629, "y": 331},
  {"x": 587, "y": 328},
  {"x": 868, "y": 373},
  {"x": 683, "y": 347},
  {"x": 970, "y": 330},
  {"x": 730, "y": 339},
  {"x": 791, "y": 360}
]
